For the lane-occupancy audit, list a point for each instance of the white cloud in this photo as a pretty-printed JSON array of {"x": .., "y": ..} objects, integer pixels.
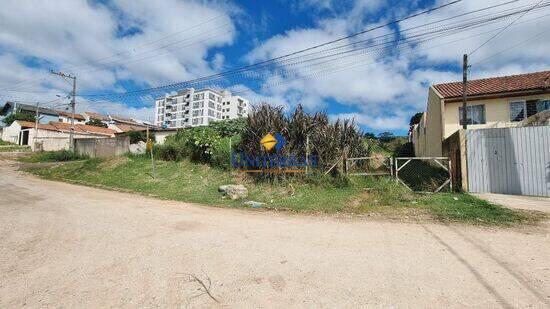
[
  {"x": 388, "y": 88},
  {"x": 168, "y": 41}
]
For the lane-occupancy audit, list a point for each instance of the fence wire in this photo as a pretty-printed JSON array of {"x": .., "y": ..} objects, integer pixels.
[
  {"x": 431, "y": 174},
  {"x": 370, "y": 166}
]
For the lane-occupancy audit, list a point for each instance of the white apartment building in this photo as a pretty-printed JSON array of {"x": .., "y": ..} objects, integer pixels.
[{"x": 191, "y": 108}]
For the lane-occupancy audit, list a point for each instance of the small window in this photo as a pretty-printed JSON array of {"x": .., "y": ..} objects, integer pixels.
[
  {"x": 517, "y": 111},
  {"x": 543, "y": 105},
  {"x": 475, "y": 114}
]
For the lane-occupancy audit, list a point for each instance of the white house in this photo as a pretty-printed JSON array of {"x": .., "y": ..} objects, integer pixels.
[{"x": 52, "y": 136}]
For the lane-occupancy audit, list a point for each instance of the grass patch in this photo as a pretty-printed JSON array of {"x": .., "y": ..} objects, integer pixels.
[
  {"x": 52, "y": 156},
  {"x": 4, "y": 143},
  {"x": 14, "y": 148},
  {"x": 198, "y": 183}
]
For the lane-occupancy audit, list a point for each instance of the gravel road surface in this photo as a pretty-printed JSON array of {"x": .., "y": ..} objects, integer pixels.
[{"x": 64, "y": 245}]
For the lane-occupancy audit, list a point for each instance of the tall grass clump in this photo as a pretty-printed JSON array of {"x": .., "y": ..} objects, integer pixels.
[{"x": 329, "y": 141}]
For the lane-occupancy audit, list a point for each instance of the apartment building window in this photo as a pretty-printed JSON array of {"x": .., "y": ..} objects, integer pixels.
[
  {"x": 211, "y": 104},
  {"x": 475, "y": 114},
  {"x": 211, "y": 96},
  {"x": 211, "y": 113}
]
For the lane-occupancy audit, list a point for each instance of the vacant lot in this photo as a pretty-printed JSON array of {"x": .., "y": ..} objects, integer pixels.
[
  {"x": 70, "y": 246},
  {"x": 191, "y": 182}
]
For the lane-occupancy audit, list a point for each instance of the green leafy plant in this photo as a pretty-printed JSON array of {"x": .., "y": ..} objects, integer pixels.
[
  {"x": 229, "y": 127},
  {"x": 139, "y": 136},
  {"x": 96, "y": 123},
  {"x": 25, "y": 116}
]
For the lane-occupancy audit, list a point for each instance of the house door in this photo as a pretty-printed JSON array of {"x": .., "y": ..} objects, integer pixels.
[{"x": 24, "y": 138}]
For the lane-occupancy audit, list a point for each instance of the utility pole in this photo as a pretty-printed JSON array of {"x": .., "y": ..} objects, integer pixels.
[
  {"x": 35, "y": 127},
  {"x": 464, "y": 91},
  {"x": 73, "y": 103}
]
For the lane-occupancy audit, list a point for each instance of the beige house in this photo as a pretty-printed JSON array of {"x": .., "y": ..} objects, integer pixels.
[
  {"x": 491, "y": 103},
  {"x": 52, "y": 136}
]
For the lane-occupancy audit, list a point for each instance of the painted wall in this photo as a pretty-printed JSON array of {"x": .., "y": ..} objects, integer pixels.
[
  {"x": 442, "y": 120},
  {"x": 160, "y": 136},
  {"x": 427, "y": 137},
  {"x": 11, "y": 133},
  {"x": 497, "y": 113}
]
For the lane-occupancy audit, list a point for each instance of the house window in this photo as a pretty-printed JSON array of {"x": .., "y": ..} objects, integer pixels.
[
  {"x": 543, "y": 105},
  {"x": 517, "y": 111},
  {"x": 475, "y": 114}
]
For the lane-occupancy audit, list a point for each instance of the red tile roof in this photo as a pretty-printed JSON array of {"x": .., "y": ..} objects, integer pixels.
[
  {"x": 494, "y": 85},
  {"x": 127, "y": 127},
  {"x": 70, "y": 115},
  {"x": 97, "y": 116},
  {"x": 66, "y": 127}
]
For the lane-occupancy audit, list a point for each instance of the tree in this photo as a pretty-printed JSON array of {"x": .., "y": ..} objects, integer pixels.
[
  {"x": 96, "y": 123},
  {"x": 386, "y": 137},
  {"x": 370, "y": 135},
  {"x": 415, "y": 120},
  {"x": 25, "y": 116}
]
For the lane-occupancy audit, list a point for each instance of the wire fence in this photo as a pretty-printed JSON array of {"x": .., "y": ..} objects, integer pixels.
[
  {"x": 370, "y": 166},
  {"x": 421, "y": 174},
  {"x": 426, "y": 174}
]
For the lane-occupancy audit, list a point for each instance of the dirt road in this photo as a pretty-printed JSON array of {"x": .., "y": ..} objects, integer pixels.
[{"x": 71, "y": 246}]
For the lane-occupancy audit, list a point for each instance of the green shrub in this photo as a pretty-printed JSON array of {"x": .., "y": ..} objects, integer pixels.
[
  {"x": 54, "y": 156},
  {"x": 195, "y": 143},
  {"x": 221, "y": 151},
  {"x": 229, "y": 127},
  {"x": 20, "y": 115},
  {"x": 328, "y": 140},
  {"x": 139, "y": 136}
]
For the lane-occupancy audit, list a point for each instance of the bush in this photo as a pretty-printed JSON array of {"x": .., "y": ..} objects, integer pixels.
[
  {"x": 195, "y": 143},
  {"x": 327, "y": 140},
  {"x": 221, "y": 151},
  {"x": 96, "y": 123},
  {"x": 54, "y": 156},
  {"x": 139, "y": 136},
  {"x": 26, "y": 116},
  {"x": 229, "y": 127}
]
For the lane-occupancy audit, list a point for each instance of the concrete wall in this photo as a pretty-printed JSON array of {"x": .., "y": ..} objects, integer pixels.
[
  {"x": 454, "y": 147},
  {"x": 103, "y": 147},
  {"x": 47, "y": 140},
  {"x": 160, "y": 136},
  {"x": 11, "y": 133}
]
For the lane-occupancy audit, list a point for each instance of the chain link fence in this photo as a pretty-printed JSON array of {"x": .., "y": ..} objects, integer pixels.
[
  {"x": 426, "y": 174},
  {"x": 370, "y": 166}
]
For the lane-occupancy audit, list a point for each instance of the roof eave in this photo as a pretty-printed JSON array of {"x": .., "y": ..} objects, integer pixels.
[{"x": 497, "y": 95}]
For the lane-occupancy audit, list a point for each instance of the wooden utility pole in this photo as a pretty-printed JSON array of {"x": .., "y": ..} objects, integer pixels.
[
  {"x": 464, "y": 91},
  {"x": 73, "y": 104},
  {"x": 35, "y": 127}
]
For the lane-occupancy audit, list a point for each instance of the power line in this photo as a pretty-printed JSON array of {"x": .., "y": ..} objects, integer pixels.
[
  {"x": 504, "y": 29},
  {"x": 510, "y": 47},
  {"x": 460, "y": 26},
  {"x": 309, "y": 48}
]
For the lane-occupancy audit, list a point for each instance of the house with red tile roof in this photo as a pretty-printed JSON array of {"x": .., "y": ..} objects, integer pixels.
[
  {"x": 495, "y": 102},
  {"x": 51, "y": 136}
]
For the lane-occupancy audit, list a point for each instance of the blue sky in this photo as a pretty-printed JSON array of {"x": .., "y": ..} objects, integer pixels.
[{"x": 124, "y": 45}]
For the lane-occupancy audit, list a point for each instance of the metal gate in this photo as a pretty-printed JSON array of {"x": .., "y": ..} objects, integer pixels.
[
  {"x": 509, "y": 160},
  {"x": 424, "y": 174}
]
